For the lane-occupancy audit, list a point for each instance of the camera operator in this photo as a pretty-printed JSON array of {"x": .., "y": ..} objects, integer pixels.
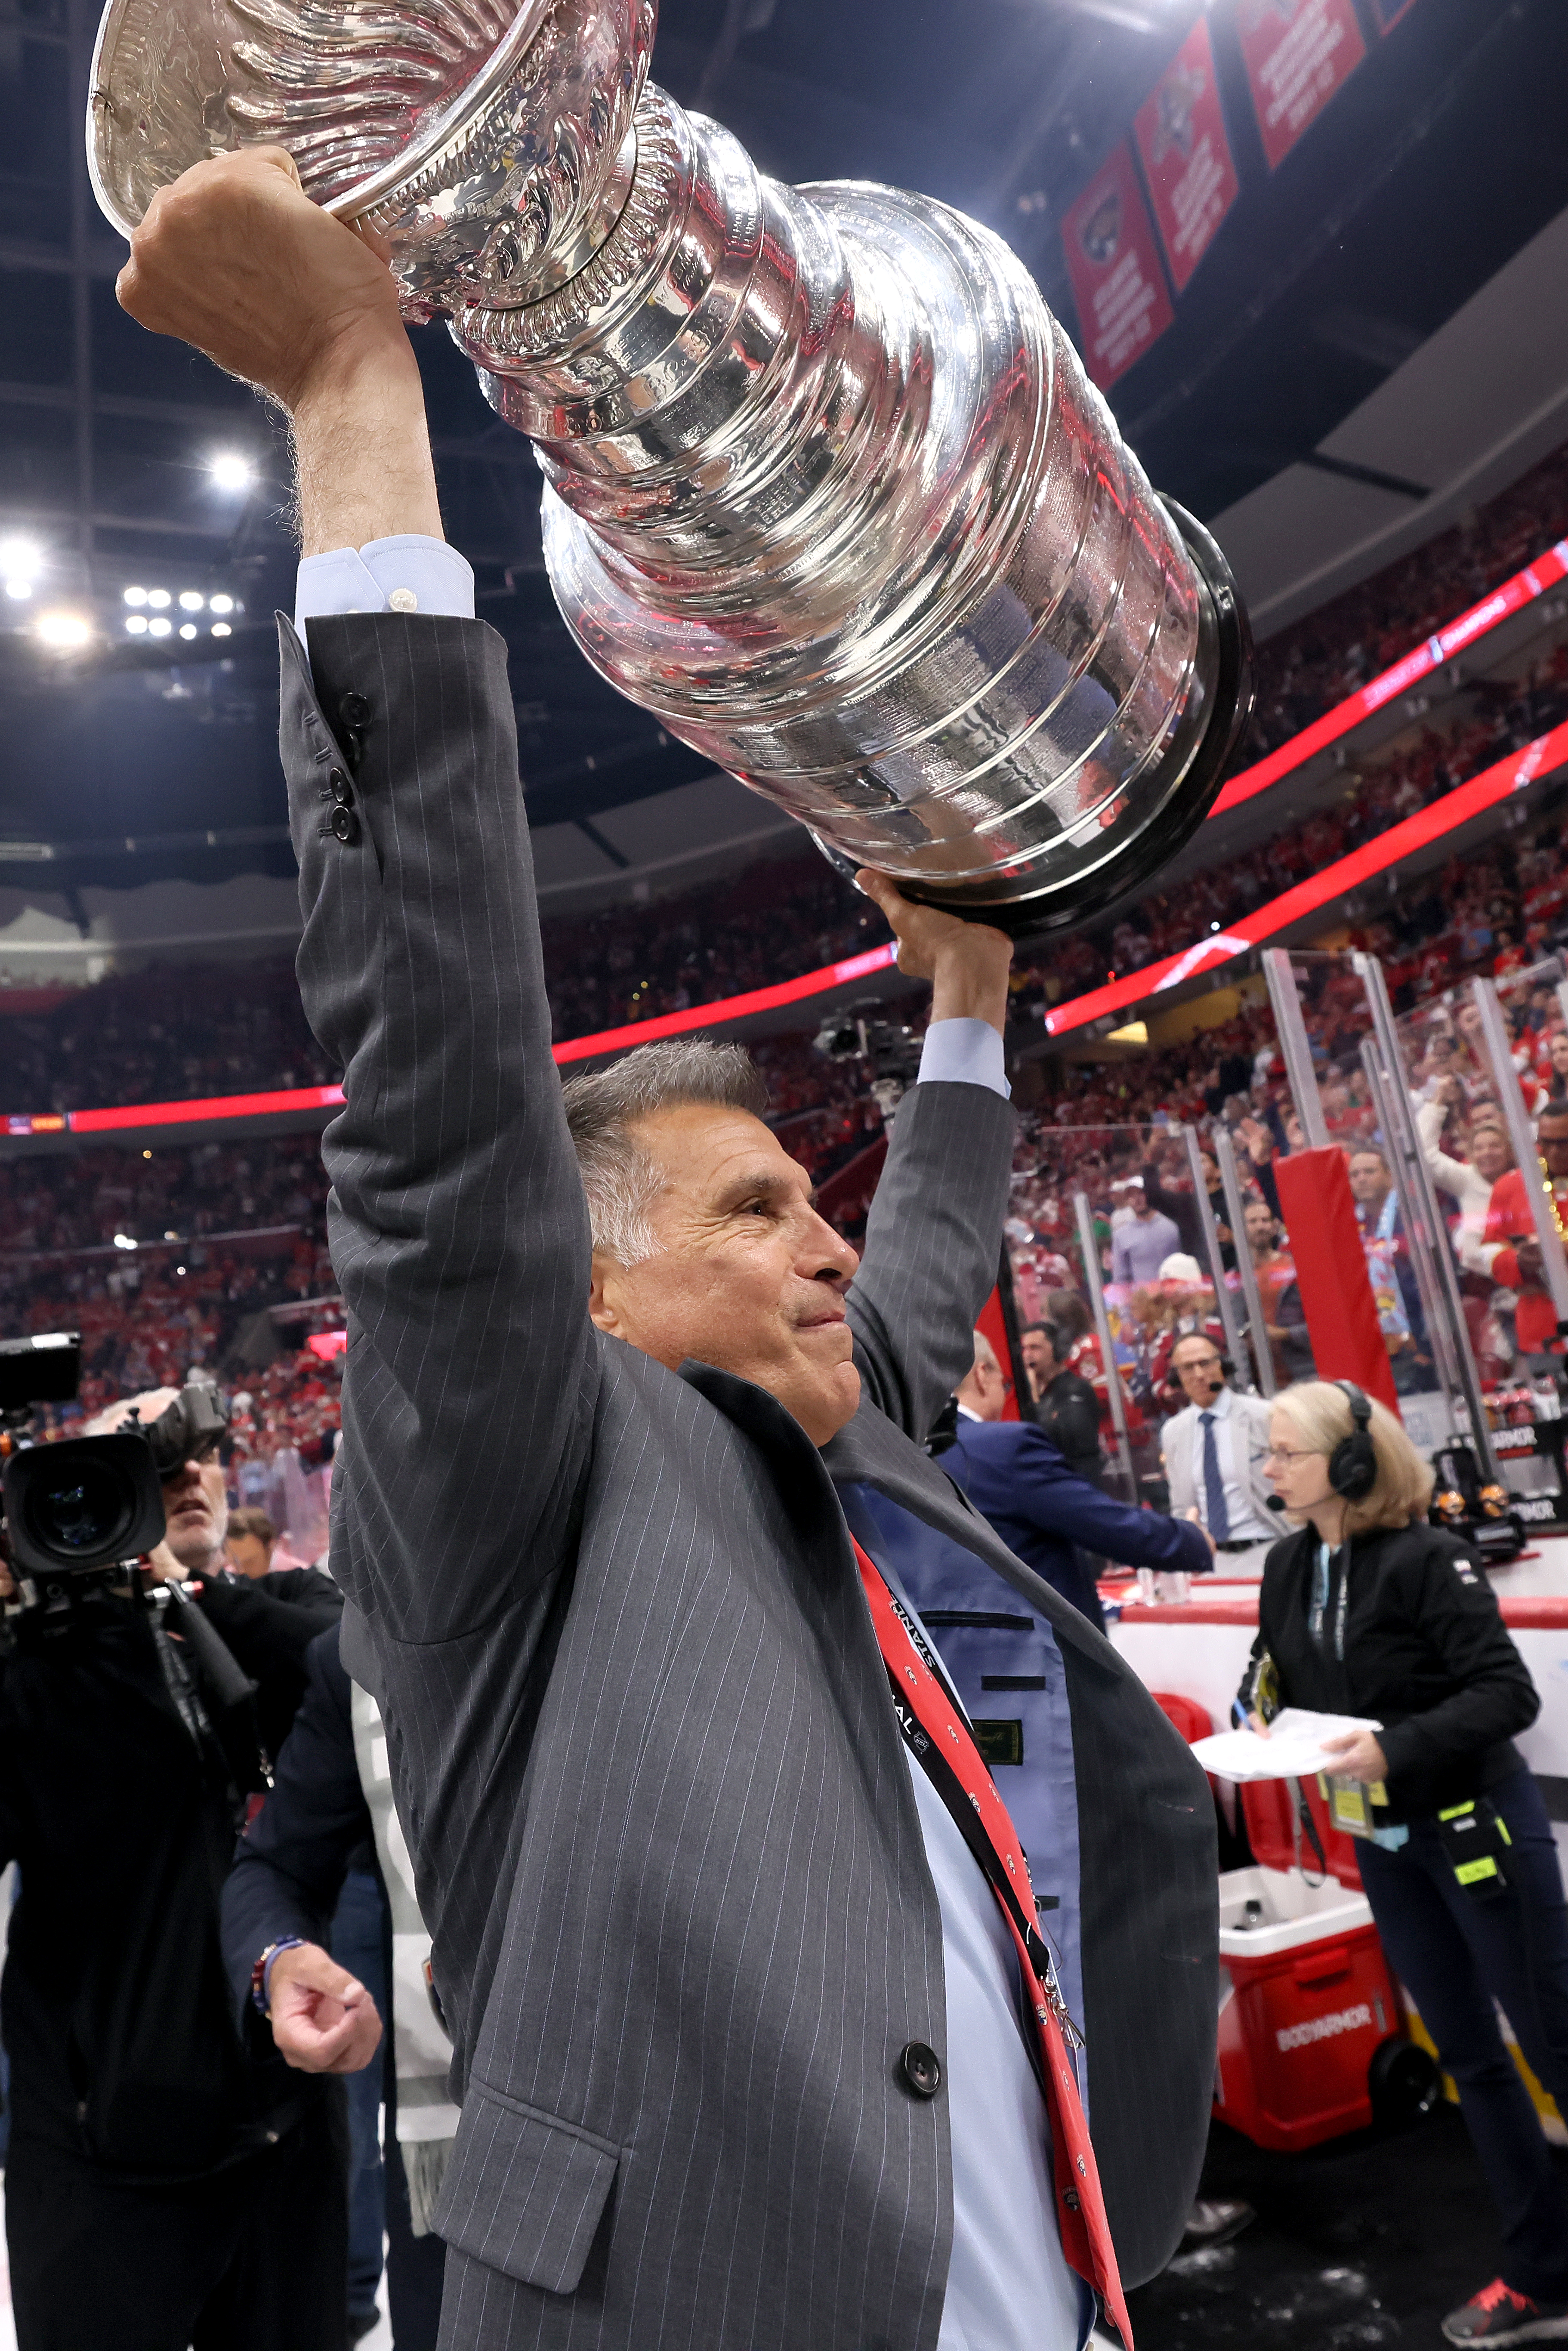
[
  {"x": 162, "y": 2190},
  {"x": 1368, "y": 1610}
]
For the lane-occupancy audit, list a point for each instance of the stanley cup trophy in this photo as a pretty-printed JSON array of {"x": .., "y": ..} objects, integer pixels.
[{"x": 827, "y": 491}]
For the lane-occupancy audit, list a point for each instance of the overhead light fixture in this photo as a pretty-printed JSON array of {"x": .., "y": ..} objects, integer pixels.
[
  {"x": 190, "y": 601},
  {"x": 231, "y": 470},
  {"x": 123, "y": 1241},
  {"x": 20, "y": 557},
  {"x": 136, "y": 597},
  {"x": 188, "y": 630},
  {"x": 222, "y": 629},
  {"x": 63, "y": 632},
  {"x": 159, "y": 628},
  {"x": 136, "y": 624},
  {"x": 160, "y": 598},
  {"x": 222, "y": 603},
  {"x": 18, "y": 590}
]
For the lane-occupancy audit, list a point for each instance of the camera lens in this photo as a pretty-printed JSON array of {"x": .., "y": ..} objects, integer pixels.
[{"x": 82, "y": 1511}]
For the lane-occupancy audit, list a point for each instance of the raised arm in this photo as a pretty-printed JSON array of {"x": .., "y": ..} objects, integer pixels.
[
  {"x": 457, "y": 1224},
  {"x": 933, "y": 1237}
]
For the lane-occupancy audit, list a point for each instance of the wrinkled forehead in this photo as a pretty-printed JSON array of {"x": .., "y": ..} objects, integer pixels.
[{"x": 705, "y": 1153}]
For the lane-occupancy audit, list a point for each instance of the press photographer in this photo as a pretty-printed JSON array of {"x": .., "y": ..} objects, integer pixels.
[{"x": 163, "y": 2189}]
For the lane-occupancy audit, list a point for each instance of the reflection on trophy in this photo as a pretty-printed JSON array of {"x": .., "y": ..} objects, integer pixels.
[{"x": 827, "y": 490}]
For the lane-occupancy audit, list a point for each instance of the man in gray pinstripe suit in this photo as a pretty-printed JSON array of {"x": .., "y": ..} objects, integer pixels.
[{"x": 740, "y": 2062}]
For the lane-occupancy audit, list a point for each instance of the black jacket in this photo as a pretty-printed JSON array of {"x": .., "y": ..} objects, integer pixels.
[
  {"x": 116, "y": 2013},
  {"x": 1069, "y": 1412},
  {"x": 1426, "y": 1654}
]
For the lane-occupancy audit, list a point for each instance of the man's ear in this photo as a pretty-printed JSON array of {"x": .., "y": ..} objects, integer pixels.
[{"x": 602, "y": 1286}]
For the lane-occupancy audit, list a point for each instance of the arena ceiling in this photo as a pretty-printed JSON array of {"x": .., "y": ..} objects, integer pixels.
[{"x": 1438, "y": 163}]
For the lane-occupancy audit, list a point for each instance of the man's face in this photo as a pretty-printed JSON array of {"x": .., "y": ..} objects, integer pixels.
[
  {"x": 1196, "y": 1365},
  {"x": 1258, "y": 1220},
  {"x": 196, "y": 1508},
  {"x": 1039, "y": 1358},
  {"x": 747, "y": 1276},
  {"x": 250, "y": 1556},
  {"x": 1552, "y": 1136},
  {"x": 1559, "y": 1049},
  {"x": 1368, "y": 1177},
  {"x": 1490, "y": 1152},
  {"x": 1139, "y": 1202}
]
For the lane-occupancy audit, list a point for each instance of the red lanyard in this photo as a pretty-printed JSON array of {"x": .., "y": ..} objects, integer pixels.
[{"x": 941, "y": 1742}]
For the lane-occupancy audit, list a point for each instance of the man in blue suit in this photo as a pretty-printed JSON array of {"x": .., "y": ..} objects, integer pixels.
[{"x": 1015, "y": 1478}]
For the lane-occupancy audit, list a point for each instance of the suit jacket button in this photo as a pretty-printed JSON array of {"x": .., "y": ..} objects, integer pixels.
[
  {"x": 921, "y": 2069},
  {"x": 353, "y": 710},
  {"x": 345, "y": 824},
  {"x": 337, "y": 784}
]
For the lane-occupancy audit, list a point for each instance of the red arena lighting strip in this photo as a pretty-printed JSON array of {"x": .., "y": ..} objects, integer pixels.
[
  {"x": 729, "y": 1008},
  {"x": 1536, "y": 578},
  {"x": 1456, "y": 808},
  {"x": 128, "y": 1116}
]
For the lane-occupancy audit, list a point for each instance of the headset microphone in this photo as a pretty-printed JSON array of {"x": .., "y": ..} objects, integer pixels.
[{"x": 1276, "y": 1502}]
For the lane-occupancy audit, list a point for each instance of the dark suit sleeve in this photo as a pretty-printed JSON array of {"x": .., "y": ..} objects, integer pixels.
[
  {"x": 1456, "y": 1611},
  {"x": 457, "y": 1219},
  {"x": 291, "y": 1861},
  {"x": 933, "y": 1246},
  {"x": 1061, "y": 1503}
]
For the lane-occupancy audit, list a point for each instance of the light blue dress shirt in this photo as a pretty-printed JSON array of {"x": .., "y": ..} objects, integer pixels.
[{"x": 1010, "y": 2287}]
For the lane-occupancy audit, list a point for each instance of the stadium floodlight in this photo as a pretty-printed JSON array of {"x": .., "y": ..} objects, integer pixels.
[
  {"x": 136, "y": 597},
  {"x": 231, "y": 470},
  {"x": 158, "y": 628},
  {"x": 222, "y": 629},
  {"x": 188, "y": 630},
  {"x": 160, "y": 598},
  {"x": 20, "y": 557},
  {"x": 18, "y": 590},
  {"x": 62, "y": 631},
  {"x": 136, "y": 624},
  {"x": 222, "y": 603},
  {"x": 191, "y": 601}
]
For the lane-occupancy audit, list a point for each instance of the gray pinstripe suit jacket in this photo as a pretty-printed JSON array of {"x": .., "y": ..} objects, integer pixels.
[{"x": 638, "y": 1723}]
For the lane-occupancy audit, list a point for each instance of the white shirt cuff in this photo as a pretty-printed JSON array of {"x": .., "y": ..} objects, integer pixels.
[
  {"x": 965, "y": 1054},
  {"x": 408, "y": 574}
]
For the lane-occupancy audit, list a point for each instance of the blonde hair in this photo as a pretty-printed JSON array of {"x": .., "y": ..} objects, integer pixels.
[{"x": 1319, "y": 1411}]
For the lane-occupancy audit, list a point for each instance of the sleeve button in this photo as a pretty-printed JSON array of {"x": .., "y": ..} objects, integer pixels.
[
  {"x": 345, "y": 824},
  {"x": 403, "y": 600},
  {"x": 921, "y": 2069},
  {"x": 337, "y": 784}
]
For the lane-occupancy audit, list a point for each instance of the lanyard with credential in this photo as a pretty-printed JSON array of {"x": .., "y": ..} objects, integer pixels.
[{"x": 942, "y": 1743}]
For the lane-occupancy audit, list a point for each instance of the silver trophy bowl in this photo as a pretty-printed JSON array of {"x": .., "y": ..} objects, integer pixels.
[{"x": 826, "y": 489}]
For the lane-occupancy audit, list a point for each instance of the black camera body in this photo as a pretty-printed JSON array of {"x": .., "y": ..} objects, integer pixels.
[{"x": 89, "y": 1502}]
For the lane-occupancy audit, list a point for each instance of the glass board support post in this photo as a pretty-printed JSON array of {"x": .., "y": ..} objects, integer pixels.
[
  {"x": 1261, "y": 1352},
  {"x": 1225, "y": 1305},
  {"x": 1418, "y": 1191},
  {"x": 1096, "y": 1288},
  {"x": 1295, "y": 1045},
  {"x": 1526, "y": 1153}
]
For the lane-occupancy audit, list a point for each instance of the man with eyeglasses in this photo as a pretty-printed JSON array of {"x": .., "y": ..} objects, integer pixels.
[
  {"x": 1213, "y": 1451},
  {"x": 164, "y": 2187}
]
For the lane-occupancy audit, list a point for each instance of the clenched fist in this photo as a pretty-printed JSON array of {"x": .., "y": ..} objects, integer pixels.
[{"x": 236, "y": 259}]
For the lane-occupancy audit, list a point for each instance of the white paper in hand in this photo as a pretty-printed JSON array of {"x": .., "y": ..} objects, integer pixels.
[{"x": 1292, "y": 1751}]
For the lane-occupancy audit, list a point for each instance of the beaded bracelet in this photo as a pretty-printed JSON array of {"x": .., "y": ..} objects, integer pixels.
[{"x": 261, "y": 1974}]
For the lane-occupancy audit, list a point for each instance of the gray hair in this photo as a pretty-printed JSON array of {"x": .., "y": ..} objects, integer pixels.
[{"x": 602, "y": 1106}]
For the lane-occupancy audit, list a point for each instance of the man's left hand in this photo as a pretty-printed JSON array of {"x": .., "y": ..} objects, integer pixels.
[
  {"x": 1357, "y": 1756},
  {"x": 966, "y": 963},
  {"x": 323, "y": 2019}
]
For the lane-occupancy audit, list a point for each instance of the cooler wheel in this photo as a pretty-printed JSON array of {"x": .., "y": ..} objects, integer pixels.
[{"x": 1403, "y": 2081}]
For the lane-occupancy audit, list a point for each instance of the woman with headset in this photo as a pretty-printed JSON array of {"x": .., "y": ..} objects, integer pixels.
[{"x": 1368, "y": 1610}]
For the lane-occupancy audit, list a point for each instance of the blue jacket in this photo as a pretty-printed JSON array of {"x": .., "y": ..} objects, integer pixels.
[{"x": 1016, "y": 1479}]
